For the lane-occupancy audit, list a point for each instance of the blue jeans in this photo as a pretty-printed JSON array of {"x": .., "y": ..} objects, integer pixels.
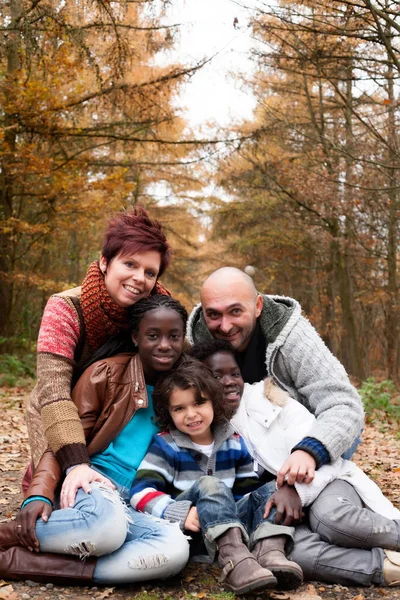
[
  {"x": 350, "y": 451},
  {"x": 218, "y": 511},
  {"x": 131, "y": 546}
]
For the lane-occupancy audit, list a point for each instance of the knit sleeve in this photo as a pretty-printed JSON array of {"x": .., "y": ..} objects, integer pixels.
[
  {"x": 323, "y": 386},
  {"x": 153, "y": 478},
  {"x": 59, "y": 329},
  {"x": 58, "y": 338},
  {"x": 246, "y": 479}
]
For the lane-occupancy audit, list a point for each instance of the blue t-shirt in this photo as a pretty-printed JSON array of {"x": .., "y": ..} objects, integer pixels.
[{"x": 121, "y": 459}]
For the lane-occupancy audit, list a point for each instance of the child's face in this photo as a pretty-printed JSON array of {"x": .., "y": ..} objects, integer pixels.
[
  {"x": 225, "y": 368},
  {"x": 191, "y": 415},
  {"x": 160, "y": 340}
]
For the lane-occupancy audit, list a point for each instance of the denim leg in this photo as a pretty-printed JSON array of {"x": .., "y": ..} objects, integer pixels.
[
  {"x": 350, "y": 451},
  {"x": 334, "y": 564},
  {"x": 216, "y": 507},
  {"x": 251, "y": 513},
  {"x": 153, "y": 549},
  {"x": 339, "y": 517},
  {"x": 96, "y": 525}
]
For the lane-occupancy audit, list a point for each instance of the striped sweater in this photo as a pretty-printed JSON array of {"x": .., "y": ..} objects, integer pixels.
[{"x": 172, "y": 464}]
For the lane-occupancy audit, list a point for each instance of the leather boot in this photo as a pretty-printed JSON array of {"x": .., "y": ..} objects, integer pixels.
[
  {"x": 391, "y": 568},
  {"x": 240, "y": 571},
  {"x": 270, "y": 554},
  {"x": 19, "y": 563},
  {"x": 8, "y": 537}
]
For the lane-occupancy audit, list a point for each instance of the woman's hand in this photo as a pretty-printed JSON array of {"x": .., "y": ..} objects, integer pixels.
[
  {"x": 192, "y": 522},
  {"x": 288, "y": 506},
  {"x": 80, "y": 477},
  {"x": 26, "y": 521}
]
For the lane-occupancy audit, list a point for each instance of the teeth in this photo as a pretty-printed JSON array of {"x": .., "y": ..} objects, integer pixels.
[{"x": 132, "y": 289}]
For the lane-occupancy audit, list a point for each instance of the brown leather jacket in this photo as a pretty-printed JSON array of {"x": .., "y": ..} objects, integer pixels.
[{"x": 107, "y": 396}]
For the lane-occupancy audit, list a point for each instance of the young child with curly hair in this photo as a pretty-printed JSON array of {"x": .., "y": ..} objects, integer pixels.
[{"x": 198, "y": 472}]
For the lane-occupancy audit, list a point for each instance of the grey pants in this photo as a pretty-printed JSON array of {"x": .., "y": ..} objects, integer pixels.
[{"x": 343, "y": 541}]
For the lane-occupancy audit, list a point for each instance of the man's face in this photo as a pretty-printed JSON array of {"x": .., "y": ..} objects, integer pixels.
[{"x": 230, "y": 312}]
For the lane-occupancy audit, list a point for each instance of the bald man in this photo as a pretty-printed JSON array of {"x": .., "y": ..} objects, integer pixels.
[{"x": 271, "y": 337}]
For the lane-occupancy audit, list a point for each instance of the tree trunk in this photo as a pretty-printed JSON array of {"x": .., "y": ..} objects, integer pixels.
[
  {"x": 392, "y": 304},
  {"x": 6, "y": 184}
]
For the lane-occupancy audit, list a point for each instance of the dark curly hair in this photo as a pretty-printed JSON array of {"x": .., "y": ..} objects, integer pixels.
[
  {"x": 122, "y": 341},
  {"x": 204, "y": 350},
  {"x": 189, "y": 373}
]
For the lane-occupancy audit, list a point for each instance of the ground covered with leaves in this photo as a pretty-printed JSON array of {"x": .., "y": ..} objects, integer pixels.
[{"x": 379, "y": 456}]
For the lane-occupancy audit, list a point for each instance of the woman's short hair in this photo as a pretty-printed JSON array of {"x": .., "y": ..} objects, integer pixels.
[
  {"x": 133, "y": 231},
  {"x": 189, "y": 373}
]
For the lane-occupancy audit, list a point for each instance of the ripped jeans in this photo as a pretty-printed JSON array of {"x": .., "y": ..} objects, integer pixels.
[
  {"x": 131, "y": 546},
  {"x": 343, "y": 542}
]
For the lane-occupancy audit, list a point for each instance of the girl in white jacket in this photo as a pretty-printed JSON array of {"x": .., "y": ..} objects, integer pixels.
[{"x": 350, "y": 520}]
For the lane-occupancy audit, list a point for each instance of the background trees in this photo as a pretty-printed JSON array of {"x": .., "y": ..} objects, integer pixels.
[
  {"x": 87, "y": 126},
  {"x": 308, "y": 191},
  {"x": 316, "y": 185}
]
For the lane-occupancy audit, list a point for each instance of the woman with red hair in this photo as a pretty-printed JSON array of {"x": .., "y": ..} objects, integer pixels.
[{"x": 78, "y": 321}]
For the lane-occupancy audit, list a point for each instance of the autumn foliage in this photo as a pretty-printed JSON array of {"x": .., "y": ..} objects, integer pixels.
[
  {"x": 87, "y": 127},
  {"x": 314, "y": 187}
]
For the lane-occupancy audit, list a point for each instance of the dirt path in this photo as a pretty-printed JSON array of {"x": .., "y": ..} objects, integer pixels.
[{"x": 379, "y": 456}]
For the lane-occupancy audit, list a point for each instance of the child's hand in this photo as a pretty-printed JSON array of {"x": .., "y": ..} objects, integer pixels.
[
  {"x": 299, "y": 467},
  {"x": 288, "y": 506},
  {"x": 192, "y": 522}
]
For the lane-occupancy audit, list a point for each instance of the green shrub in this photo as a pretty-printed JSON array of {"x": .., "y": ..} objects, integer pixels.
[
  {"x": 379, "y": 399},
  {"x": 15, "y": 371}
]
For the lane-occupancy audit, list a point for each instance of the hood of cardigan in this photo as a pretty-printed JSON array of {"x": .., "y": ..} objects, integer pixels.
[
  {"x": 276, "y": 312},
  {"x": 221, "y": 432}
]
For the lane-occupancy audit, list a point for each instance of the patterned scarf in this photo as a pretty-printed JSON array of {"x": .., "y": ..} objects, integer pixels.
[{"x": 103, "y": 317}]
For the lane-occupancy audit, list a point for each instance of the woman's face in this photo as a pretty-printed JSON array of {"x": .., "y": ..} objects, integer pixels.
[
  {"x": 159, "y": 340},
  {"x": 131, "y": 277}
]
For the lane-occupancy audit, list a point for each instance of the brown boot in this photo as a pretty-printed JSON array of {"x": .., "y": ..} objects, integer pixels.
[
  {"x": 20, "y": 564},
  {"x": 270, "y": 554},
  {"x": 391, "y": 568},
  {"x": 240, "y": 571},
  {"x": 8, "y": 536}
]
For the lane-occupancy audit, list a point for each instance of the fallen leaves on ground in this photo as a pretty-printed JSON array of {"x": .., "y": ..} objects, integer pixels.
[
  {"x": 378, "y": 456},
  {"x": 8, "y": 593}
]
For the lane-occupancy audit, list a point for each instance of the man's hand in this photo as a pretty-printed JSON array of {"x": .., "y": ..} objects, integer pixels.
[
  {"x": 26, "y": 521},
  {"x": 299, "y": 467},
  {"x": 288, "y": 506},
  {"x": 80, "y": 477},
  {"x": 192, "y": 522}
]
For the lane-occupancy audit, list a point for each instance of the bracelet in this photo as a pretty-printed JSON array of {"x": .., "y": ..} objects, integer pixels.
[{"x": 33, "y": 498}]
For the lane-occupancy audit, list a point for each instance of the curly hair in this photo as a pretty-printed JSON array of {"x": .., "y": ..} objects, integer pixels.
[
  {"x": 133, "y": 231},
  {"x": 189, "y": 373},
  {"x": 204, "y": 350}
]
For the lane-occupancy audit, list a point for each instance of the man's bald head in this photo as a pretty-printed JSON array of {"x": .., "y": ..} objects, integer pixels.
[
  {"x": 229, "y": 276},
  {"x": 231, "y": 305}
]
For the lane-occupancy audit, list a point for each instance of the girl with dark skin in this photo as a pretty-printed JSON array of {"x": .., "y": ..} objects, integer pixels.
[{"x": 114, "y": 401}]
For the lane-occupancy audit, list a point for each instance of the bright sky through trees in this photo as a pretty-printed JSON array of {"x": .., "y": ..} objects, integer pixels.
[{"x": 214, "y": 27}]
